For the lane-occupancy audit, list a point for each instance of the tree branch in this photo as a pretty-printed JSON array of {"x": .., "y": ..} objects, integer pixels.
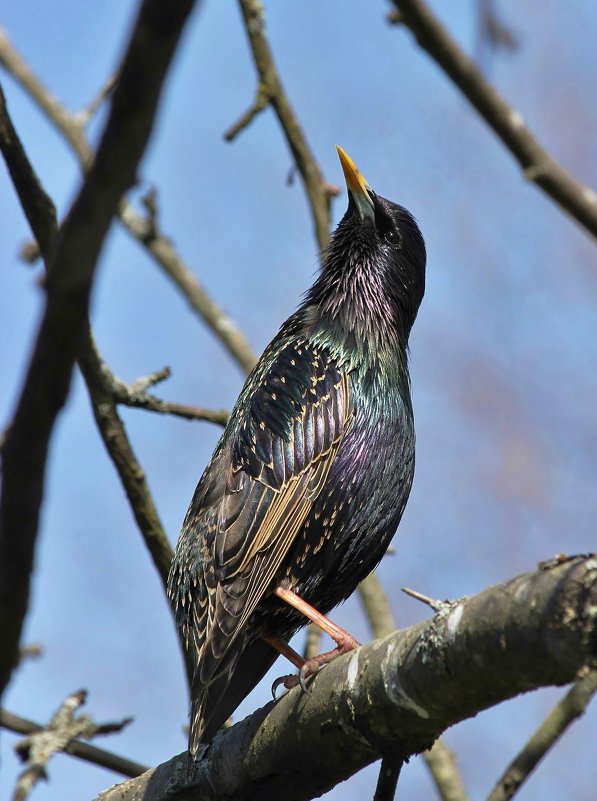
[
  {"x": 319, "y": 191},
  {"x": 39, "y": 746},
  {"x": 438, "y": 759},
  {"x": 143, "y": 230},
  {"x": 537, "y": 164},
  {"x": 104, "y": 388},
  {"x": 572, "y": 706},
  {"x": 99, "y": 381},
  {"x": 396, "y": 695},
  {"x": 88, "y": 753},
  {"x": 70, "y": 277}
]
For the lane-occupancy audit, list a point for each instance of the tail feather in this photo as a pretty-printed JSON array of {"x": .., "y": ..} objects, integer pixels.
[{"x": 213, "y": 702}]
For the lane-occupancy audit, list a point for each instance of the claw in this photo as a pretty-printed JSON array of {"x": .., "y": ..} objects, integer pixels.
[
  {"x": 288, "y": 682},
  {"x": 305, "y": 673}
]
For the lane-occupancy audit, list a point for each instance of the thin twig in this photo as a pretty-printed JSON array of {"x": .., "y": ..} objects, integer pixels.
[
  {"x": 319, "y": 192},
  {"x": 136, "y": 395},
  {"x": 83, "y": 117},
  {"x": 537, "y": 164},
  {"x": 41, "y": 744},
  {"x": 433, "y": 603},
  {"x": 260, "y": 103},
  {"x": 143, "y": 230},
  {"x": 571, "y": 707}
]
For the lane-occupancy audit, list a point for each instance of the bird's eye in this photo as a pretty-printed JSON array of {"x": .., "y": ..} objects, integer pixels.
[{"x": 392, "y": 237}]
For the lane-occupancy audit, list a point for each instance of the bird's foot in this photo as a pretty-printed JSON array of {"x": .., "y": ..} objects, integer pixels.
[
  {"x": 315, "y": 663},
  {"x": 288, "y": 682},
  {"x": 312, "y": 666}
]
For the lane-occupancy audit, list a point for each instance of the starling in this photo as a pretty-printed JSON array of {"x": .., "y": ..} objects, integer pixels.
[{"x": 309, "y": 480}]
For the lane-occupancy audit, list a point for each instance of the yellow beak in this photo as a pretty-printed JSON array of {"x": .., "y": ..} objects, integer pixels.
[{"x": 357, "y": 185}]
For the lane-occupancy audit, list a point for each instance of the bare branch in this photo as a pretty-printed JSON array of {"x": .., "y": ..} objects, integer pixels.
[
  {"x": 100, "y": 383},
  {"x": 40, "y": 746},
  {"x": 70, "y": 277},
  {"x": 377, "y": 606},
  {"x": 537, "y": 164},
  {"x": 396, "y": 695},
  {"x": 445, "y": 772},
  {"x": 104, "y": 388},
  {"x": 387, "y": 781},
  {"x": 64, "y": 121},
  {"x": 143, "y": 230},
  {"x": 136, "y": 396},
  {"x": 271, "y": 91},
  {"x": 82, "y": 118},
  {"x": 88, "y": 753},
  {"x": 313, "y": 641},
  {"x": 260, "y": 103},
  {"x": 572, "y": 706},
  {"x": 38, "y": 207}
]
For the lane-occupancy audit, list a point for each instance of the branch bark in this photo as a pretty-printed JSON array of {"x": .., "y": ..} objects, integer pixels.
[
  {"x": 70, "y": 277},
  {"x": 396, "y": 695},
  {"x": 538, "y": 165}
]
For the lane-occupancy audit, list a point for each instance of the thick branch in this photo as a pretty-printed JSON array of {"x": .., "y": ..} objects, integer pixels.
[
  {"x": 271, "y": 90},
  {"x": 396, "y": 695},
  {"x": 538, "y": 166},
  {"x": 70, "y": 277}
]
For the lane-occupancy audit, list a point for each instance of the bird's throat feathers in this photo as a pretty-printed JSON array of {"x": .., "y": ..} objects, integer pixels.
[{"x": 354, "y": 312}]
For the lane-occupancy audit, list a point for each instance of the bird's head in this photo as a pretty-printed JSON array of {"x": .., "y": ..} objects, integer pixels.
[{"x": 373, "y": 275}]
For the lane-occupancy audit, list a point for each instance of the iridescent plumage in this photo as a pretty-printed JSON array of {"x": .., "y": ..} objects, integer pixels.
[{"x": 310, "y": 478}]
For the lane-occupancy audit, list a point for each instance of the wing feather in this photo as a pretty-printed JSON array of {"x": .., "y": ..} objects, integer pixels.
[
  {"x": 252, "y": 501},
  {"x": 266, "y": 504}
]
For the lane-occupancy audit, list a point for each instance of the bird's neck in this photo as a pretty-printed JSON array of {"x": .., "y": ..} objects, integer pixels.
[{"x": 356, "y": 317}]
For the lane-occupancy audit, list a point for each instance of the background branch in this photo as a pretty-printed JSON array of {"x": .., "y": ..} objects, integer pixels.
[
  {"x": 70, "y": 277},
  {"x": 318, "y": 191},
  {"x": 40, "y": 745},
  {"x": 572, "y": 706},
  {"x": 144, "y": 231},
  {"x": 537, "y": 164}
]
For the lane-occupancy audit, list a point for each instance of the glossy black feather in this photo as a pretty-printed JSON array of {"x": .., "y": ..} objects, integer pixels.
[{"x": 310, "y": 478}]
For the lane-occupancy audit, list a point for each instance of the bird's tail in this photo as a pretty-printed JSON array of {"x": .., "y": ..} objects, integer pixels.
[{"x": 214, "y": 701}]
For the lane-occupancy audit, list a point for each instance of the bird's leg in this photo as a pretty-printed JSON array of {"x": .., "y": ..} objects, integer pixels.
[
  {"x": 342, "y": 638},
  {"x": 344, "y": 641},
  {"x": 297, "y": 660}
]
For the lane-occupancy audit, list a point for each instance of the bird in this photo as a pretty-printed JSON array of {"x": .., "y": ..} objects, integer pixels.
[{"x": 308, "y": 483}]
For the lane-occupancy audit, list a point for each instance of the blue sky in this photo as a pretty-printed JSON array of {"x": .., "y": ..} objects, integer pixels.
[{"x": 503, "y": 351}]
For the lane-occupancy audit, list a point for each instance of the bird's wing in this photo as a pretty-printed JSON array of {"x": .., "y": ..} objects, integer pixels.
[{"x": 292, "y": 425}]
